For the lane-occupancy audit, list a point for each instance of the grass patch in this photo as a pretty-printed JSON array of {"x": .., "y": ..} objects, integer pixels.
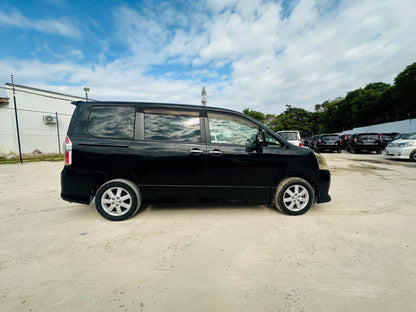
[{"x": 31, "y": 158}]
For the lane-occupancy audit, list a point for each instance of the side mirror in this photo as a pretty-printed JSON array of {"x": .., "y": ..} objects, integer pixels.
[{"x": 257, "y": 144}]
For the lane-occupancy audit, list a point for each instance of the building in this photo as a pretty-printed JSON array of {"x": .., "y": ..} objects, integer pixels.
[{"x": 41, "y": 115}]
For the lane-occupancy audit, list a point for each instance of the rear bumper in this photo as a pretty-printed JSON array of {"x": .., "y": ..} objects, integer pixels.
[
  {"x": 76, "y": 187},
  {"x": 329, "y": 147},
  {"x": 367, "y": 147}
]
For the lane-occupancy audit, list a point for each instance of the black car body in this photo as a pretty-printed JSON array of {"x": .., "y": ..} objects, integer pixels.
[
  {"x": 327, "y": 142},
  {"x": 118, "y": 151},
  {"x": 370, "y": 142}
]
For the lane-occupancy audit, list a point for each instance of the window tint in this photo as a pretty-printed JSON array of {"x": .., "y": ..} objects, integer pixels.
[
  {"x": 112, "y": 122},
  {"x": 228, "y": 129},
  {"x": 330, "y": 137},
  {"x": 368, "y": 136},
  {"x": 172, "y": 128}
]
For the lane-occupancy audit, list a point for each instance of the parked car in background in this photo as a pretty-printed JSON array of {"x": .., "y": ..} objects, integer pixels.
[
  {"x": 124, "y": 153},
  {"x": 369, "y": 142},
  {"x": 344, "y": 140},
  {"x": 293, "y": 136},
  {"x": 311, "y": 141},
  {"x": 387, "y": 138},
  {"x": 403, "y": 148},
  {"x": 328, "y": 142}
]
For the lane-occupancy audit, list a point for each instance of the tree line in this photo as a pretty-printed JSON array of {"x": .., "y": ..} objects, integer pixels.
[{"x": 377, "y": 103}]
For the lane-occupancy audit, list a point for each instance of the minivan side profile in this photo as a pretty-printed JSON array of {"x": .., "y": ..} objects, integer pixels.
[{"x": 124, "y": 153}]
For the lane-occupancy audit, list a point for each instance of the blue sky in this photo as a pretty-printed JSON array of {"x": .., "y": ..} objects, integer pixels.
[{"x": 252, "y": 54}]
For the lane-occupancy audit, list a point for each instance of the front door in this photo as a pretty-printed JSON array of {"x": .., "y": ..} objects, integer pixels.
[{"x": 233, "y": 171}]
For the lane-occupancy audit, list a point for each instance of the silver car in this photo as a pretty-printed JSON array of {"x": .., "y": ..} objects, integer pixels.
[{"x": 402, "y": 148}]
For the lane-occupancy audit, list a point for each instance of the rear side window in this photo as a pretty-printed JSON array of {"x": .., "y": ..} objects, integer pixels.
[
  {"x": 112, "y": 122},
  {"x": 178, "y": 128}
]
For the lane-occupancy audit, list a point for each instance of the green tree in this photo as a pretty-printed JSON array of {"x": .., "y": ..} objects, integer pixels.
[
  {"x": 255, "y": 114},
  {"x": 405, "y": 92}
]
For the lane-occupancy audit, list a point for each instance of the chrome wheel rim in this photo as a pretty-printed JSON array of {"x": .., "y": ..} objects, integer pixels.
[
  {"x": 116, "y": 201},
  {"x": 296, "y": 197}
]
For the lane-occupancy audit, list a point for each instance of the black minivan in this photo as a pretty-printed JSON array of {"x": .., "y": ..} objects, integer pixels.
[{"x": 122, "y": 153}]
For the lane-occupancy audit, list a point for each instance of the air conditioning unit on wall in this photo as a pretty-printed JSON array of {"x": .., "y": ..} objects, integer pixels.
[{"x": 49, "y": 119}]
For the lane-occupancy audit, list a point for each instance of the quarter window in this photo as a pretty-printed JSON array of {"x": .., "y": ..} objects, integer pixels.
[
  {"x": 112, "y": 122},
  {"x": 271, "y": 141},
  {"x": 228, "y": 129},
  {"x": 177, "y": 128}
]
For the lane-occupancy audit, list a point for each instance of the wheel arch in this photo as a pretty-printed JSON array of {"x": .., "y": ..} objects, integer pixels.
[{"x": 307, "y": 178}]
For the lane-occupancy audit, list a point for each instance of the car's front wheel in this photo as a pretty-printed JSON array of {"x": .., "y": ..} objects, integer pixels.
[
  {"x": 294, "y": 196},
  {"x": 118, "y": 199},
  {"x": 413, "y": 156}
]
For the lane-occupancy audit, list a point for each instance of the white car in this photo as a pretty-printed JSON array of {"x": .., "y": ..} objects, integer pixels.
[
  {"x": 292, "y": 136},
  {"x": 402, "y": 148}
]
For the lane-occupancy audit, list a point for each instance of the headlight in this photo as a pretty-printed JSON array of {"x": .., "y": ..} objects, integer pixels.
[
  {"x": 407, "y": 144},
  {"x": 321, "y": 161}
]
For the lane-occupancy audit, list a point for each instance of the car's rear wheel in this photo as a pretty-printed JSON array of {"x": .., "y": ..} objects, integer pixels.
[
  {"x": 294, "y": 196},
  {"x": 412, "y": 156},
  {"x": 118, "y": 199}
]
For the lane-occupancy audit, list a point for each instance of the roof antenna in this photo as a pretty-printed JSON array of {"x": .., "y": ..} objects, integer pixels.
[{"x": 203, "y": 96}]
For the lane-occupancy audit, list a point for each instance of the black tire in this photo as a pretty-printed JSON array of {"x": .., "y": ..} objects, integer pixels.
[
  {"x": 339, "y": 151},
  {"x": 118, "y": 200},
  {"x": 412, "y": 156},
  {"x": 294, "y": 196},
  {"x": 352, "y": 150},
  {"x": 379, "y": 151}
]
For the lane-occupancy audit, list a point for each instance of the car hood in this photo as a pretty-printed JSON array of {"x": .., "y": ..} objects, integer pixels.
[{"x": 398, "y": 141}]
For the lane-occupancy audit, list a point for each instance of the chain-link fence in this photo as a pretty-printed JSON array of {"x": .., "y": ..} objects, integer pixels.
[{"x": 33, "y": 122}]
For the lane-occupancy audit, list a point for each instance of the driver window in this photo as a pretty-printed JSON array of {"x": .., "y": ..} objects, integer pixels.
[
  {"x": 271, "y": 141},
  {"x": 229, "y": 129}
]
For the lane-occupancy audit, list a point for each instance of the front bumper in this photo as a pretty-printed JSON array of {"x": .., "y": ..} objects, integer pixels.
[
  {"x": 398, "y": 152},
  {"x": 323, "y": 184}
]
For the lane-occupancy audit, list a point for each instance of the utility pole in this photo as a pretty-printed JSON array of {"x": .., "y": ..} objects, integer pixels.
[{"x": 17, "y": 121}]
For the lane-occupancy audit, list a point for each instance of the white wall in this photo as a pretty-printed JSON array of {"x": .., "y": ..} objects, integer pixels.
[{"x": 35, "y": 134}]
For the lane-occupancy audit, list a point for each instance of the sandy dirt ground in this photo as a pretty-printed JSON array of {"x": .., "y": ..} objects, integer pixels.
[{"x": 356, "y": 253}]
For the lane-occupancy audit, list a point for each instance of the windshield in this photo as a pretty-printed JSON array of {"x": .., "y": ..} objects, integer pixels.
[
  {"x": 412, "y": 137},
  {"x": 289, "y": 135}
]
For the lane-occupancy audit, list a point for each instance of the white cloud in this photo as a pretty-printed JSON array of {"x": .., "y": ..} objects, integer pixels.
[
  {"x": 60, "y": 26},
  {"x": 318, "y": 52}
]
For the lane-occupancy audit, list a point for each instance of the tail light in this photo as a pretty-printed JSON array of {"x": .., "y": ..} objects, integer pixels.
[
  {"x": 300, "y": 142},
  {"x": 68, "y": 151},
  {"x": 319, "y": 141},
  {"x": 355, "y": 140}
]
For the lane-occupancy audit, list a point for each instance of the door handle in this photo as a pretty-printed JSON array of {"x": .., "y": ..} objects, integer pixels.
[
  {"x": 196, "y": 151},
  {"x": 216, "y": 152}
]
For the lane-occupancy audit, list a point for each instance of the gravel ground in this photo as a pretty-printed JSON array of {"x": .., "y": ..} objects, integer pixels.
[{"x": 356, "y": 253}]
